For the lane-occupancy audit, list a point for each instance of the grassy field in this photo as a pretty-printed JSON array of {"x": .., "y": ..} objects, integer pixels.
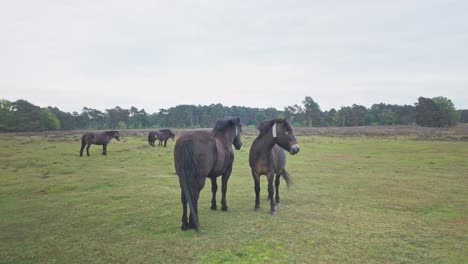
[{"x": 356, "y": 199}]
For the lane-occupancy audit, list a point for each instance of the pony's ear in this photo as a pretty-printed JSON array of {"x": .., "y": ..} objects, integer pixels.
[
  {"x": 238, "y": 120},
  {"x": 284, "y": 120},
  {"x": 218, "y": 125}
]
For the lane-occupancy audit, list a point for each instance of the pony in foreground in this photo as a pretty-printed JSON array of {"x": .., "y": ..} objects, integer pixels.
[
  {"x": 267, "y": 157},
  {"x": 98, "y": 139},
  {"x": 199, "y": 154},
  {"x": 162, "y": 135}
]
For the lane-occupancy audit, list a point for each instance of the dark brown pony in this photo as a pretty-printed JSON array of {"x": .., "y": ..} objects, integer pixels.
[
  {"x": 162, "y": 135},
  {"x": 98, "y": 139},
  {"x": 267, "y": 157},
  {"x": 199, "y": 154},
  {"x": 152, "y": 137}
]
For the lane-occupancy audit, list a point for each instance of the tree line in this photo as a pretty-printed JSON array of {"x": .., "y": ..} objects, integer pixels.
[{"x": 21, "y": 115}]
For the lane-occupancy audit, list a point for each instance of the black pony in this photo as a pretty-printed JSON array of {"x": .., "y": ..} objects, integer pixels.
[
  {"x": 98, "y": 139},
  {"x": 199, "y": 154},
  {"x": 267, "y": 157}
]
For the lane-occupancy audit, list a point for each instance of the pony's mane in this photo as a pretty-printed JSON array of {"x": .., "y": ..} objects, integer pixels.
[
  {"x": 265, "y": 126},
  {"x": 167, "y": 131},
  {"x": 224, "y": 123},
  {"x": 110, "y": 132}
]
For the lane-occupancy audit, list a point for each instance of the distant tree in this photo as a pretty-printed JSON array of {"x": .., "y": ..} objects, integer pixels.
[
  {"x": 7, "y": 121},
  {"x": 428, "y": 113},
  {"x": 387, "y": 118},
  {"x": 137, "y": 118},
  {"x": 27, "y": 116},
  {"x": 311, "y": 109},
  {"x": 260, "y": 117},
  {"x": 49, "y": 120},
  {"x": 463, "y": 115},
  {"x": 328, "y": 116},
  {"x": 449, "y": 116},
  {"x": 121, "y": 125},
  {"x": 115, "y": 115},
  {"x": 92, "y": 118}
]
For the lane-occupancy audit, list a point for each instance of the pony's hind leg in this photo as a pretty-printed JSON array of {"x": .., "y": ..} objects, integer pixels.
[
  {"x": 82, "y": 148},
  {"x": 87, "y": 149},
  {"x": 277, "y": 184},
  {"x": 214, "y": 189},
  {"x": 184, "y": 211},
  {"x": 225, "y": 179},
  {"x": 271, "y": 191},
  {"x": 193, "y": 218},
  {"x": 256, "y": 178}
]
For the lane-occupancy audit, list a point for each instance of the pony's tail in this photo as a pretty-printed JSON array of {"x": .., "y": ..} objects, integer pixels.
[
  {"x": 149, "y": 139},
  {"x": 187, "y": 171},
  {"x": 287, "y": 178}
]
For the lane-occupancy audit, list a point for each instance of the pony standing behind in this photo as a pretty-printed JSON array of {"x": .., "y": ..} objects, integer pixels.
[
  {"x": 162, "y": 135},
  {"x": 267, "y": 157},
  {"x": 199, "y": 154}
]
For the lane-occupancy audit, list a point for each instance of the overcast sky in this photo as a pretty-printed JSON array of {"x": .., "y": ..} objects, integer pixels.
[{"x": 158, "y": 54}]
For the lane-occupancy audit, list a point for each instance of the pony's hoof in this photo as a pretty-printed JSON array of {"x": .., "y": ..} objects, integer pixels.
[
  {"x": 224, "y": 208},
  {"x": 184, "y": 227},
  {"x": 273, "y": 212},
  {"x": 214, "y": 208},
  {"x": 278, "y": 204},
  {"x": 256, "y": 209},
  {"x": 191, "y": 225}
]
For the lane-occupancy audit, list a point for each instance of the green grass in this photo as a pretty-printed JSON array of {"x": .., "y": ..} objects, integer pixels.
[{"x": 355, "y": 200}]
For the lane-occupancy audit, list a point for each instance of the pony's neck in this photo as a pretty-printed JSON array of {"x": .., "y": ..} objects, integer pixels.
[
  {"x": 267, "y": 142},
  {"x": 225, "y": 137}
]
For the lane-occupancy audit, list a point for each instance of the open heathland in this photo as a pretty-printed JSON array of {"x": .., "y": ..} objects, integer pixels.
[{"x": 361, "y": 197}]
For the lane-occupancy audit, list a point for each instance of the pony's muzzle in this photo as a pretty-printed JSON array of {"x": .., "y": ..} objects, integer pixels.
[{"x": 294, "y": 149}]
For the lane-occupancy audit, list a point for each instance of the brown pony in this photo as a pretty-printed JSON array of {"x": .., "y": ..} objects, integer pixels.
[
  {"x": 98, "y": 139},
  {"x": 267, "y": 157},
  {"x": 199, "y": 154},
  {"x": 152, "y": 137},
  {"x": 162, "y": 135}
]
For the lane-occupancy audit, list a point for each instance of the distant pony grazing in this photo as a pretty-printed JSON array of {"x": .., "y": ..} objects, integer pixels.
[
  {"x": 199, "y": 154},
  {"x": 98, "y": 139},
  {"x": 267, "y": 157}
]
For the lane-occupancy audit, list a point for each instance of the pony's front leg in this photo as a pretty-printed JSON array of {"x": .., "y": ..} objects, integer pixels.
[
  {"x": 184, "y": 211},
  {"x": 214, "y": 189},
  {"x": 271, "y": 191},
  {"x": 104, "y": 149}
]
